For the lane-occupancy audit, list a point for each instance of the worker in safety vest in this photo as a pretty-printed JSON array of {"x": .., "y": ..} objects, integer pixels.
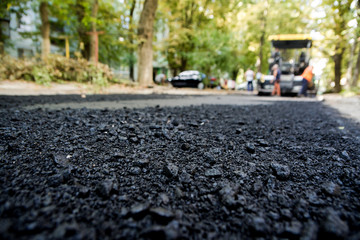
[{"x": 307, "y": 78}]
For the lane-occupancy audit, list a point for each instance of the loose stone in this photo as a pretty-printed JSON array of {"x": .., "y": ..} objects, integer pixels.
[{"x": 282, "y": 172}]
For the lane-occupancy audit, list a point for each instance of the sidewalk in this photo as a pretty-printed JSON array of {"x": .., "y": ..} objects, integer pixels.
[
  {"x": 22, "y": 88},
  {"x": 348, "y": 106}
]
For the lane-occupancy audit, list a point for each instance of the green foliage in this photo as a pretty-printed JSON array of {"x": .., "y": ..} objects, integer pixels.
[
  {"x": 350, "y": 92},
  {"x": 220, "y": 37},
  {"x": 55, "y": 69},
  {"x": 7, "y": 7},
  {"x": 12, "y": 6},
  {"x": 98, "y": 78},
  {"x": 72, "y": 18},
  {"x": 41, "y": 75},
  {"x": 201, "y": 36},
  {"x": 337, "y": 33}
]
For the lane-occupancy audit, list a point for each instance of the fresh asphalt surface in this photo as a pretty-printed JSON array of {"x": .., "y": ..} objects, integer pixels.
[
  {"x": 160, "y": 166},
  {"x": 346, "y": 107},
  {"x": 117, "y": 96},
  {"x": 340, "y": 107},
  {"x": 170, "y": 101}
]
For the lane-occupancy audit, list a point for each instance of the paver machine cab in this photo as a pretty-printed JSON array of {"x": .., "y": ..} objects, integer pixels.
[{"x": 292, "y": 53}]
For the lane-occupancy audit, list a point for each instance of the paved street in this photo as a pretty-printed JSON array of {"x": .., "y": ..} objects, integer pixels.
[
  {"x": 348, "y": 106},
  {"x": 176, "y": 101}
]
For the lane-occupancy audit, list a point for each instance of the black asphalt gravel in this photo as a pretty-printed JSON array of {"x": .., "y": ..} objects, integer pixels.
[{"x": 288, "y": 170}]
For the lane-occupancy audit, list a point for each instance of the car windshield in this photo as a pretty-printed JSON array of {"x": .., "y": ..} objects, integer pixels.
[{"x": 186, "y": 73}]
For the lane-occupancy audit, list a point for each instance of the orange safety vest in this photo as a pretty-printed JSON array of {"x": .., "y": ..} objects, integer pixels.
[{"x": 307, "y": 74}]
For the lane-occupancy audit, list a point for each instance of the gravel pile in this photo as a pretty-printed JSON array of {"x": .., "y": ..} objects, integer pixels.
[{"x": 210, "y": 172}]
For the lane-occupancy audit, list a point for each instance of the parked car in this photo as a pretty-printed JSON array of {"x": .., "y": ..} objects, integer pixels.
[{"x": 190, "y": 78}]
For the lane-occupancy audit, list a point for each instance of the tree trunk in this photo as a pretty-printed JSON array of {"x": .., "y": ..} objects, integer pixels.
[
  {"x": 356, "y": 72},
  {"x": 131, "y": 68},
  {"x": 356, "y": 68},
  {"x": 262, "y": 38},
  {"x": 339, "y": 28},
  {"x": 93, "y": 35},
  {"x": 2, "y": 42},
  {"x": 350, "y": 68},
  {"x": 145, "y": 33},
  {"x": 234, "y": 73},
  {"x": 45, "y": 30},
  {"x": 183, "y": 63},
  {"x": 337, "y": 68},
  {"x": 262, "y": 42},
  {"x": 131, "y": 51},
  {"x": 81, "y": 29}
]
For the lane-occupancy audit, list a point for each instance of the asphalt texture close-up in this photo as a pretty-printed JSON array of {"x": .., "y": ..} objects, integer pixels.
[{"x": 250, "y": 168}]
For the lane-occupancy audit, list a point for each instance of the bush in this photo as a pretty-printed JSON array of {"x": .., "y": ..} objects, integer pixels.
[
  {"x": 41, "y": 75},
  {"x": 55, "y": 69},
  {"x": 350, "y": 91},
  {"x": 11, "y": 68}
]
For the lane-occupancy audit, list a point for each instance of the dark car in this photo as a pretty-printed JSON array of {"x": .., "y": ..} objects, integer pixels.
[{"x": 190, "y": 78}]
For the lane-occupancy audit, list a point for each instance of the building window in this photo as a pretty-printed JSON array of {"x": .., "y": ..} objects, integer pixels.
[
  {"x": 20, "y": 52},
  {"x": 18, "y": 22},
  {"x": 25, "y": 53},
  {"x": 5, "y": 27}
]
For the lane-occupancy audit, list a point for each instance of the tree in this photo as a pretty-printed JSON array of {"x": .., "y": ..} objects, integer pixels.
[
  {"x": 145, "y": 34},
  {"x": 184, "y": 18},
  {"x": 356, "y": 72},
  {"x": 45, "y": 29},
  {"x": 340, "y": 20},
  {"x": 350, "y": 77},
  {"x": 111, "y": 20},
  {"x": 81, "y": 9},
  {"x": 6, "y": 8},
  {"x": 81, "y": 17},
  {"x": 264, "y": 18},
  {"x": 356, "y": 69},
  {"x": 131, "y": 41},
  {"x": 335, "y": 26},
  {"x": 201, "y": 35},
  {"x": 93, "y": 34}
]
